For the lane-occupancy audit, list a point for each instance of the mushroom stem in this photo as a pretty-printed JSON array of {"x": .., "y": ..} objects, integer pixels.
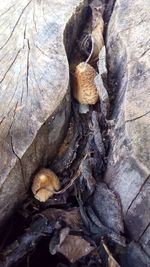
[
  {"x": 92, "y": 49},
  {"x": 83, "y": 108}
]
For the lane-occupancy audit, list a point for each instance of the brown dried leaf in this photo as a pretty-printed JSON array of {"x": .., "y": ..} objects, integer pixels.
[
  {"x": 71, "y": 217},
  {"x": 111, "y": 261},
  {"x": 75, "y": 247},
  {"x": 45, "y": 183},
  {"x": 57, "y": 239}
]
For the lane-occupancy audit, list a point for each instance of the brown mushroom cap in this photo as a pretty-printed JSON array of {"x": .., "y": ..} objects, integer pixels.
[
  {"x": 45, "y": 183},
  {"x": 84, "y": 87}
]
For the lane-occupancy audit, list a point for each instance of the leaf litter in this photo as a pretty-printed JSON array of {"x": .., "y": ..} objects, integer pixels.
[{"x": 73, "y": 207}]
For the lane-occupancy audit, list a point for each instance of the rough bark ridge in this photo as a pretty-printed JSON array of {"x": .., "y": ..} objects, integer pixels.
[
  {"x": 128, "y": 172},
  {"x": 34, "y": 85}
]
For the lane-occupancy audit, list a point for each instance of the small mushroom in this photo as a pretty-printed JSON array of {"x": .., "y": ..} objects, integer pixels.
[
  {"x": 45, "y": 183},
  {"x": 84, "y": 89}
]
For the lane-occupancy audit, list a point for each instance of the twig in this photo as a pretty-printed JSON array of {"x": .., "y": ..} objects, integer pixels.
[
  {"x": 111, "y": 261},
  {"x": 70, "y": 183},
  {"x": 74, "y": 177}
]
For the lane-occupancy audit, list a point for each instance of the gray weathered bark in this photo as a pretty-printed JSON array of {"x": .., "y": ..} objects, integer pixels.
[
  {"x": 128, "y": 59},
  {"x": 34, "y": 84}
]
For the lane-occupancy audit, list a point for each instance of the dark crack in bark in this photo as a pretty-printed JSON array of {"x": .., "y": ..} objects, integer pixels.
[
  {"x": 10, "y": 66},
  {"x": 15, "y": 25},
  {"x": 139, "y": 117},
  {"x": 137, "y": 194},
  {"x": 20, "y": 162}
]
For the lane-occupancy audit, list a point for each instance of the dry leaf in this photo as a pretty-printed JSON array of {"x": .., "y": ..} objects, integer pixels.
[
  {"x": 57, "y": 239},
  {"x": 111, "y": 261},
  {"x": 84, "y": 86},
  {"x": 75, "y": 247},
  {"x": 108, "y": 208},
  {"x": 71, "y": 217},
  {"x": 45, "y": 184}
]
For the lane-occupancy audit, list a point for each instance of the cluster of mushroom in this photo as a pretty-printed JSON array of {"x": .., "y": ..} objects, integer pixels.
[{"x": 46, "y": 183}]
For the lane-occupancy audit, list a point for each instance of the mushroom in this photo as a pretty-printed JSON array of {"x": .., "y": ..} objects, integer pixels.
[
  {"x": 96, "y": 39},
  {"x": 84, "y": 89},
  {"x": 45, "y": 183}
]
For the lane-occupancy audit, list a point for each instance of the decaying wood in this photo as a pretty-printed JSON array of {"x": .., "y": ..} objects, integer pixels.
[
  {"x": 97, "y": 134},
  {"x": 110, "y": 212},
  {"x": 99, "y": 81},
  {"x": 128, "y": 169},
  {"x": 81, "y": 161},
  {"x": 26, "y": 243},
  {"x": 34, "y": 79},
  {"x": 64, "y": 159}
]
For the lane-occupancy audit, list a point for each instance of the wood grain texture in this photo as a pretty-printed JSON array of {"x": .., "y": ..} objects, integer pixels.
[
  {"x": 34, "y": 85},
  {"x": 128, "y": 47}
]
